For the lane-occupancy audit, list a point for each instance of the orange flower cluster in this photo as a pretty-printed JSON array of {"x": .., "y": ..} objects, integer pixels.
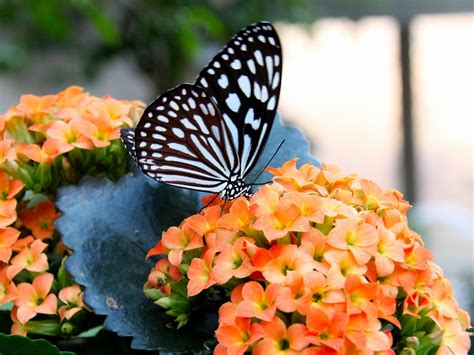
[
  {"x": 317, "y": 262},
  {"x": 46, "y": 142}
]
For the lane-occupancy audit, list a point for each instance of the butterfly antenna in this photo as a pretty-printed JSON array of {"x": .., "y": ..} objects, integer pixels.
[{"x": 266, "y": 165}]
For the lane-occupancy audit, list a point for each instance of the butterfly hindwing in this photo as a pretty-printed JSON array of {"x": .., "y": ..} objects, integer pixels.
[
  {"x": 244, "y": 78},
  {"x": 181, "y": 140}
]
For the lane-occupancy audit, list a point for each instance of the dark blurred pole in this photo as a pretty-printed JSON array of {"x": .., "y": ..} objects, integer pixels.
[{"x": 408, "y": 161}]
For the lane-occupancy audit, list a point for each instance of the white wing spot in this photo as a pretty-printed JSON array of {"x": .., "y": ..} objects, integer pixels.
[
  {"x": 178, "y": 132},
  {"x": 276, "y": 80},
  {"x": 185, "y": 107},
  {"x": 163, "y": 119},
  {"x": 243, "y": 47},
  {"x": 233, "y": 102},
  {"x": 230, "y": 50},
  {"x": 187, "y": 124},
  {"x": 211, "y": 109},
  {"x": 258, "y": 57},
  {"x": 271, "y": 103},
  {"x": 276, "y": 60},
  {"x": 203, "y": 109},
  {"x": 150, "y": 115},
  {"x": 261, "y": 38},
  {"x": 256, "y": 90},
  {"x": 174, "y": 105},
  {"x": 160, "y": 108},
  {"x": 159, "y": 137},
  {"x": 217, "y": 64},
  {"x": 160, "y": 129},
  {"x": 269, "y": 64},
  {"x": 142, "y": 144},
  {"x": 146, "y": 125},
  {"x": 244, "y": 84},
  {"x": 192, "y": 103},
  {"x": 201, "y": 124},
  {"x": 203, "y": 83},
  {"x": 156, "y": 146},
  {"x": 211, "y": 71},
  {"x": 172, "y": 114},
  {"x": 223, "y": 81},
  {"x": 183, "y": 91},
  {"x": 143, "y": 134},
  {"x": 272, "y": 41},
  {"x": 236, "y": 64},
  {"x": 251, "y": 65},
  {"x": 264, "y": 94},
  {"x": 156, "y": 155},
  {"x": 225, "y": 56}
]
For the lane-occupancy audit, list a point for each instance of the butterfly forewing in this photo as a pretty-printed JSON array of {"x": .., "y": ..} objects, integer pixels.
[
  {"x": 181, "y": 140},
  {"x": 244, "y": 78}
]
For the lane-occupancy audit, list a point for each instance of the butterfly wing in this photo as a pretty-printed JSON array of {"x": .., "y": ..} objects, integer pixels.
[
  {"x": 128, "y": 138},
  {"x": 181, "y": 140},
  {"x": 244, "y": 78}
]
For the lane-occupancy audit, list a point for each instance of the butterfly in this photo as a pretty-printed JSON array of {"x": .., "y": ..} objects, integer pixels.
[{"x": 208, "y": 136}]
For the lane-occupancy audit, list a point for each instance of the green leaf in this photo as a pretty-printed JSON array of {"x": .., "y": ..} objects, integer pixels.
[
  {"x": 91, "y": 332},
  {"x": 18, "y": 345},
  {"x": 110, "y": 227}
]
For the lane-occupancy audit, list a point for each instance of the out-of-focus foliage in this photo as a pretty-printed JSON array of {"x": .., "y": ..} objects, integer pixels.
[{"x": 162, "y": 36}]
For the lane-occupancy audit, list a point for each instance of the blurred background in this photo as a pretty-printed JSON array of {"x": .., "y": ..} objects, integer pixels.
[{"x": 383, "y": 88}]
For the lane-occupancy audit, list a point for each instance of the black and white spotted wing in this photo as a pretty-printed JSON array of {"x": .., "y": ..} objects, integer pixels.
[
  {"x": 208, "y": 136},
  {"x": 182, "y": 140},
  {"x": 244, "y": 78}
]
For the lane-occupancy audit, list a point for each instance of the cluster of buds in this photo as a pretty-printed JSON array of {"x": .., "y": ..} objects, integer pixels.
[
  {"x": 46, "y": 142},
  {"x": 317, "y": 262}
]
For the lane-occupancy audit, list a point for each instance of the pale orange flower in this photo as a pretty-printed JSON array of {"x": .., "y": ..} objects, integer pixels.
[
  {"x": 36, "y": 107},
  {"x": 359, "y": 295},
  {"x": 278, "y": 339},
  {"x": 365, "y": 332},
  {"x": 342, "y": 263},
  {"x": 7, "y": 152},
  {"x": 294, "y": 179},
  {"x": 30, "y": 258},
  {"x": 359, "y": 238},
  {"x": 258, "y": 302},
  {"x": 389, "y": 251},
  {"x": 178, "y": 240},
  {"x": 285, "y": 260},
  {"x": 8, "y": 290},
  {"x": 455, "y": 339},
  {"x": 113, "y": 109},
  {"x": 69, "y": 135},
  {"x": 100, "y": 130},
  {"x": 17, "y": 328},
  {"x": 233, "y": 261},
  {"x": 72, "y": 298},
  {"x": 8, "y": 189},
  {"x": 236, "y": 334},
  {"x": 8, "y": 237},
  {"x": 205, "y": 222},
  {"x": 35, "y": 298}
]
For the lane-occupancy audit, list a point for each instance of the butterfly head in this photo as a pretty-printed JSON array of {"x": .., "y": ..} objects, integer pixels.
[{"x": 236, "y": 189}]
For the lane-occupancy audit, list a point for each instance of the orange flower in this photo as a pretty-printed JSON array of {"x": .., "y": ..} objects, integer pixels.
[
  {"x": 199, "y": 274},
  {"x": 40, "y": 219},
  {"x": 17, "y": 328},
  {"x": 318, "y": 294},
  {"x": 359, "y": 238},
  {"x": 235, "y": 334},
  {"x": 455, "y": 339},
  {"x": 359, "y": 296},
  {"x": 7, "y": 152},
  {"x": 389, "y": 251},
  {"x": 100, "y": 130},
  {"x": 36, "y": 107},
  {"x": 233, "y": 261},
  {"x": 205, "y": 222},
  {"x": 178, "y": 240},
  {"x": 8, "y": 189},
  {"x": 30, "y": 258},
  {"x": 285, "y": 260},
  {"x": 8, "y": 290},
  {"x": 72, "y": 298},
  {"x": 326, "y": 328},
  {"x": 113, "y": 109},
  {"x": 277, "y": 339},
  {"x": 342, "y": 264},
  {"x": 285, "y": 218},
  {"x": 293, "y": 178},
  {"x": 8, "y": 237},
  {"x": 238, "y": 216},
  {"x": 48, "y": 151},
  {"x": 417, "y": 257},
  {"x": 257, "y": 302},
  {"x": 34, "y": 298},
  {"x": 365, "y": 332}
]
